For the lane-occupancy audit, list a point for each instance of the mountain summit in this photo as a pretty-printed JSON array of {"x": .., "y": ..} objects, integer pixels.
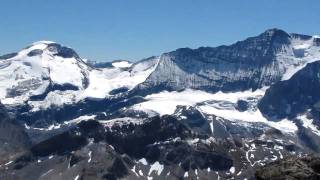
[{"x": 250, "y": 64}]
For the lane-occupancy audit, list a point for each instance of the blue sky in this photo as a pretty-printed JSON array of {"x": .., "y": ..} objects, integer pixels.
[{"x": 135, "y": 29}]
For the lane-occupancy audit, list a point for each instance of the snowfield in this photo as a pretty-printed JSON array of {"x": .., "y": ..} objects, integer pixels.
[{"x": 219, "y": 104}]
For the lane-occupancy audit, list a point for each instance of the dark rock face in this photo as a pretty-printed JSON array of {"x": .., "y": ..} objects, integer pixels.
[
  {"x": 133, "y": 140},
  {"x": 55, "y": 114},
  {"x": 242, "y": 105},
  {"x": 316, "y": 41},
  {"x": 59, "y": 144},
  {"x": 62, "y": 51},
  {"x": 193, "y": 119},
  {"x": 100, "y": 64},
  {"x": 118, "y": 91},
  {"x": 246, "y": 64},
  {"x": 291, "y": 168},
  {"x": 92, "y": 150},
  {"x": 200, "y": 156},
  {"x": 13, "y": 138},
  {"x": 35, "y": 52},
  {"x": 8, "y": 56},
  {"x": 286, "y": 99}
]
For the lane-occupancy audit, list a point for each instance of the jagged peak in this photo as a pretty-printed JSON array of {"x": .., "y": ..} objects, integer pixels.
[{"x": 275, "y": 31}]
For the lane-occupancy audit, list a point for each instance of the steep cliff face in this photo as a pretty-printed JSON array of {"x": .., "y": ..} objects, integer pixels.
[
  {"x": 286, "y": 99},
  {"x": 249, "y": 64}
]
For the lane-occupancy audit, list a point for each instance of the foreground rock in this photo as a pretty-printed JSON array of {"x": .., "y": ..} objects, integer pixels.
[{"x": 307, "y": 167}]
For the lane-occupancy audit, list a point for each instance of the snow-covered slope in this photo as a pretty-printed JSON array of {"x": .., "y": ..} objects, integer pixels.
[
  {"x": 223, "y": 105},
  {"x": 36, "y": 69},
  {"x": 46, "y": 74}
]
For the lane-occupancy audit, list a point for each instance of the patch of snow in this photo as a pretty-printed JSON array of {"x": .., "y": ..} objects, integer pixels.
[
  {"x": 140, "y": 173},
  {"x": 46, "y": 173},
  {"x": 134, "y": 170},
  {"x": 6, "y": 164},
  {"x": 77, "y": 177},
  {"x": 121, "y": 64},
  {"x": 143, "y": 161},
  {"x": 308, "y": 123},
  {"x": 232, "y": 169},
  {"x": 156, "y": 167},
  {"x": 90, "y": 157},
  {"x": 280, "y": 154},
  {"x": 186, "y": 174},
  {"x": 121, "y": 121},
  {"x": 211, "y": 127},
  {"x": 81, "y": 118},
  {"x": 292, "y": 63}
]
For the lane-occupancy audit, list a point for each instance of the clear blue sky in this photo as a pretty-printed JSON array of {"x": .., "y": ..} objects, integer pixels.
[{"x": 135, "y": 29}]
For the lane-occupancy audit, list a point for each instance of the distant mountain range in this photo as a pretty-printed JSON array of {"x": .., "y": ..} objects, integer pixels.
[{"x": 208, "y": 113}]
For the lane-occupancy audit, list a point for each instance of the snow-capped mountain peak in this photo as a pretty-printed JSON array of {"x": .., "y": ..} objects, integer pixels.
[{"x": 41, "y": 67}]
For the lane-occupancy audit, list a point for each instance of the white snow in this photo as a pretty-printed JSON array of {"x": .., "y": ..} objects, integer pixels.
[
  {"x": 134, "y": 170},
  {"x": 77, "y": 177},
  {"x": 46, "y": 173},
  {"x": 34, "y": 74},
  {"x": 143, "y": 161},
  {"x": 308, "y": 123},
  {"x": 156, "y": 167},
  {"x": 90, "y": 157},
  {"x": 121, "y": 64},
  {"x": 106, "y": 80},
  {"x": 81, "y": 118},
  {"x": 6, "y": 164},
  {"x": 232, "y": 169},
  {"x": 166, "y": 102},
  {"x": 121, "y": 121},
  {"x": 292, "y": 64},
  {"x": 140, "y": 172}
]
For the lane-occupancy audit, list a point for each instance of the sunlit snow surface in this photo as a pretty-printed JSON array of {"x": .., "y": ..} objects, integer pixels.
[
  {"x": 32, "y": 75},
  {"x": 308, "y": 123},
  {"x": 121, "y": 64},
  {"x": 307, "y": 53},
  {"x": 219, "y": 104}
]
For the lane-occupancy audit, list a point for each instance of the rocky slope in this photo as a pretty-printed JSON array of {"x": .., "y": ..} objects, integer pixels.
[
  {"x": 159, "y": 148},
  {"x": 298, "y": 95},
  {"x": 13, "y": 138},
  {"x": 306, "y": 167},
  {"x": 250, "y": 64}
]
